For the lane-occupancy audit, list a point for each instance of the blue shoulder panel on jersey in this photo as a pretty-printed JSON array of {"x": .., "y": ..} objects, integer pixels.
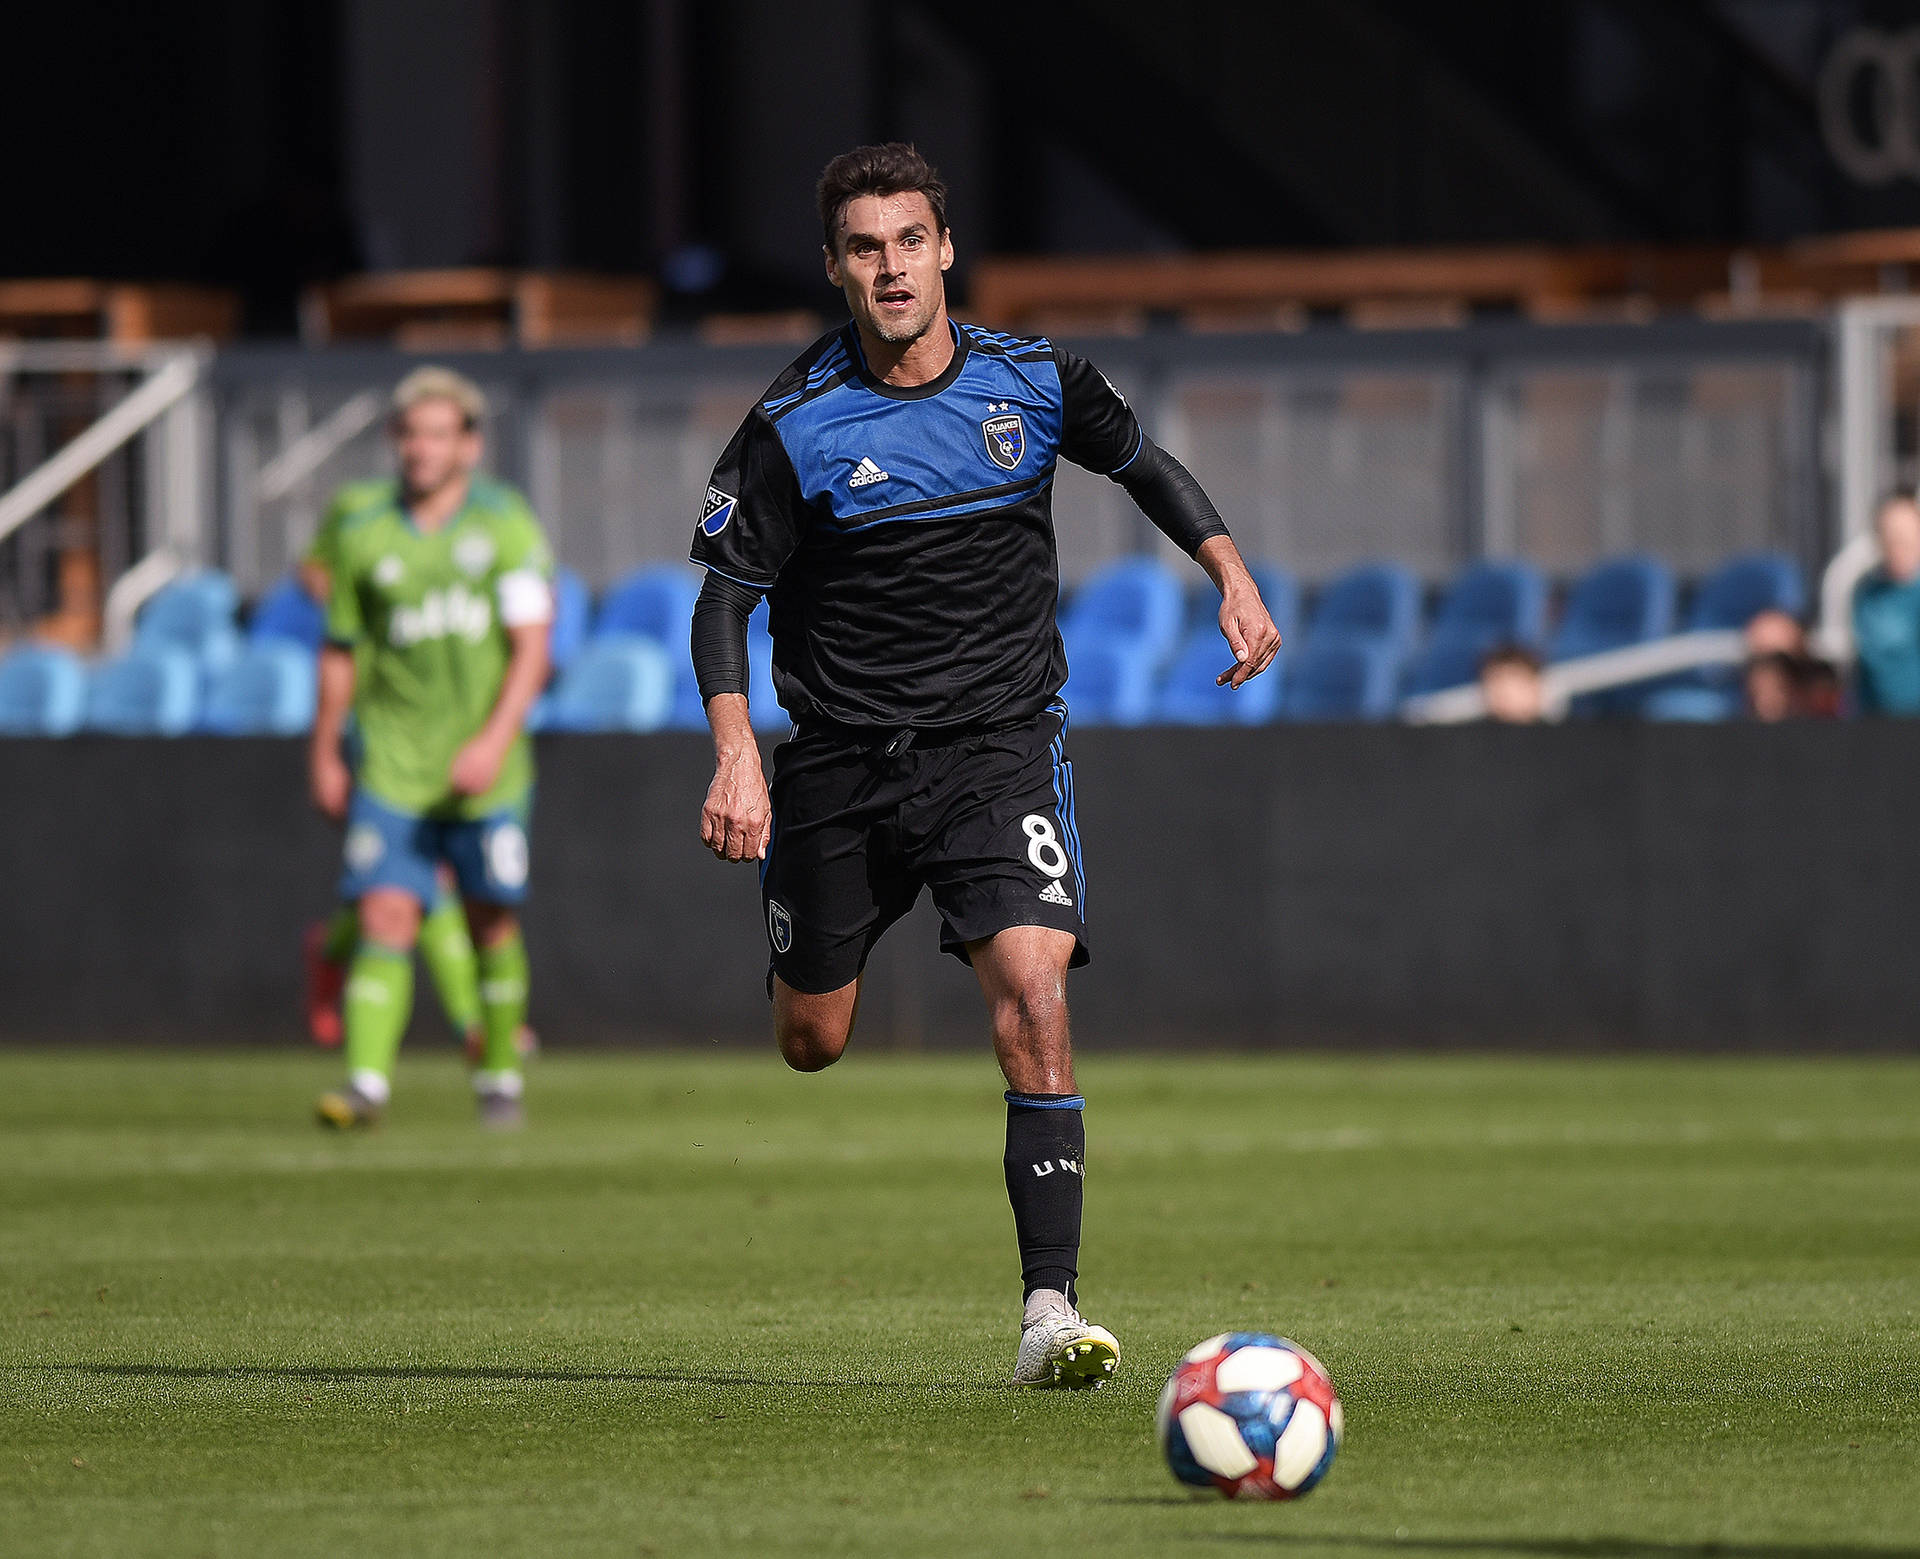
[{"x": 988, "y": 439}]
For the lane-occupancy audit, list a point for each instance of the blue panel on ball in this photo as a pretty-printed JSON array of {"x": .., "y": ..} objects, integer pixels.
[
  {"x": 1256, "y": 1427},
  {"x": 1180, "y": 1459},
  {"x": 1320, "y": 1469},
  {"x": 1251, "y": 1340}
]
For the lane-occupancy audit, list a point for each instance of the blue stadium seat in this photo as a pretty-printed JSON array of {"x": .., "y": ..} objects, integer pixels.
[
  {"x": 1189, "y": 695},
  {"x": 1492, "y": 603},
  {"x": 656, "y": 602},
  {"x": 1743, "y": 587},
  {"x": 43, "y": 691},
  {"x": 1133, "y": 602},
  {"x": 152, "y": 690},
  {"x": 572, "y": 617},
  {"x": 268, "y": 691},
  {"x": 1109, "y": 681},
  {"x": 286, "y": 613},
  {"x": 1620, "y": 602},
  {"x": 1340, "y": 679},
  {"x": 619, "y": 682},
  {"x": 1691, "y": 703},
  {"x": 1378, "y": 603},
  {"x": 196, "y": 613}
]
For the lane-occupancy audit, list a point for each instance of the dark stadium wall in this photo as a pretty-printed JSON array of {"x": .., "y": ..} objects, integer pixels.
[{"x": 1586, "y": 886}]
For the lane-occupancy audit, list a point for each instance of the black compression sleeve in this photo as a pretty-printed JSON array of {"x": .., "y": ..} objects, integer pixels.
[
  {"x": 720, "y": 635},
  {"x": 1170, "y": 497}
]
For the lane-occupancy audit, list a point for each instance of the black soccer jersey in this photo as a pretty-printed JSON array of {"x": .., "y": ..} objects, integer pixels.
[{"x": 904, "y": 536}]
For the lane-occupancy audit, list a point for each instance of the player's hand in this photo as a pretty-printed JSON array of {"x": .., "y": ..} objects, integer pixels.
[
  {"x": 737, "y": 821},
  {"x": 476, "y": 766},
  {"x": 330, "y": 782},
  {"x": 1248, "y": 628}
]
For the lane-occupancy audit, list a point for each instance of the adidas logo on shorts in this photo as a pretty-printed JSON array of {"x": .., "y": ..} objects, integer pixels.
[
  {"x": 866, "y": 474},
  {"x": 1053, "y": 893}
]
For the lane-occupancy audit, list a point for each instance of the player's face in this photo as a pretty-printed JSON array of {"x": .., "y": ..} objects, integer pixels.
[
  {"x": 1899, "y": 527},
  {"x": 435, "y": 445},
  {"x": 889, "y": 262}
]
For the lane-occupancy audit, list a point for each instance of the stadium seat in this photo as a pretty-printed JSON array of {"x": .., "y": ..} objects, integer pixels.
[
  {"x": 268, "y": 691},
  {"x": 43, "y": 691},
  {"x": 1109, "y": 681},
  {"x": 1340, "y": 679},
  {"x": 1378, "y": 603},
  {"x": 1741, "y": 588},
  {"x": 196, "y": 614},
  {"x": 286, "y": 613},
  {"x": 1691, "y": 703},
  {"x": 1189, "y": 695},
  {"x": 619, "y": 682},
  {"x": 656, "y": 602},
  {"x": 152, "y": 690},
  {"x": 1134, "y": 603},
  {"x": 1491, "y": 604},
  {"x": 1620, "y": 602},
  {"x": 572, "y": 617}
]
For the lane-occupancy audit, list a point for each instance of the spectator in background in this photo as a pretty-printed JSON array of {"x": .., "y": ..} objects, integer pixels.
[
  {"x": 1886, "y": 614},
  {"x": 1782, "y": 679},
  {"x": 1510, "y": 683}
]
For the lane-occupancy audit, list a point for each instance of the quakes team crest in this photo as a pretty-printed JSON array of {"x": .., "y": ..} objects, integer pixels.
[
  {"x": 716, "y": 511},
  {"x": 1006, "y": 440},
  {"x": 779, "y": 926}
]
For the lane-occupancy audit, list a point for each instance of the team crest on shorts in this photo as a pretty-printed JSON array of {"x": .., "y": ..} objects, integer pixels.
[
  {"x": 779, "y": 926},
  {"x": 716, "y": 511},
  {"x": 1006, "y": 440}
]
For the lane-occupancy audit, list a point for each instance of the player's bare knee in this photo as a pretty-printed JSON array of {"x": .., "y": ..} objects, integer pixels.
[
  {"x": 1032, "y": 1017},
  {"x": 808, "y": 1045}
]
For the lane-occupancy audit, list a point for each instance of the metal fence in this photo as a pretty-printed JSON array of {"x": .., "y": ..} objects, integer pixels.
[{"x": 1323, "y": 447}]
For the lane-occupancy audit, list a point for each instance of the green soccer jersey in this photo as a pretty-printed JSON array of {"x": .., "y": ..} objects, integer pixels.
[{"x": 427, "y": 614}]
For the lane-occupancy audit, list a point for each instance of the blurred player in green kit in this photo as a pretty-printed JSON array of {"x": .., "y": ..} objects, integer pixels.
[{"x": 439, "y": 607}]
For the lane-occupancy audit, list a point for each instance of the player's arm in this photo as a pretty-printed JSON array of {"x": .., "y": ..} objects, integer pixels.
[
  {"x": 327, "y": 773},
  {"x": 1100, "y": 432},
  {"x": 525, "y": 599},
  {"x": 750, "y": 525},
  {"x": 736, "y": 821}
]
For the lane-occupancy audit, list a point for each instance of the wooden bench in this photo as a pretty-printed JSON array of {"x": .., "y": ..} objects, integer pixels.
[
  {"x": 127, "y": 313},
  {"x": 481, "y": 307}
]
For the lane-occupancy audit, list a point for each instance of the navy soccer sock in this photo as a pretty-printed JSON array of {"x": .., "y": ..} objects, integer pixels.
[{"x": 1046, "y": 1159}]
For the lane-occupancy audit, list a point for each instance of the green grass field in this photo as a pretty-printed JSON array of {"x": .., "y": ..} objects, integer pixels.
[{"x": 704, "y": 1306}]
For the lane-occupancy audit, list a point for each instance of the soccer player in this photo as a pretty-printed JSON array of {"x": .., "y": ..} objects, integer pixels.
[
  {"x": 446, "y": 948},
  {"x": 891, "y": 496},
  {"x": 437, "y": 628}
]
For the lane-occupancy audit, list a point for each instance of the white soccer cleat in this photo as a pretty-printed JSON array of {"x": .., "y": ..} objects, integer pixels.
[{"x": 1061, "y": 1351}]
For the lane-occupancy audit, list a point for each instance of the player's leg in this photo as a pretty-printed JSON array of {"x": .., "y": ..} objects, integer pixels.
[
  {"x": 490, "y": 860},
  {"x": 446, "y": 948},
  {"x": 389, "y": 876},
  {"x": 328, "y": 949},
  {"x": 1006, "y": 875},
  {"x": 1022, "y": 973},
  {"x": 812, "y": 1029}
]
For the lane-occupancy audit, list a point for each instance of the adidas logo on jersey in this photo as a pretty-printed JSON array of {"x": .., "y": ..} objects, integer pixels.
[
  {"x": 866, "y": 474},
  {"x": 1053, "y": 893}
]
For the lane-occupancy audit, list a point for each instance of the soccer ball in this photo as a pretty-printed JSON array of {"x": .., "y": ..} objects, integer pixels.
[{"x": 1251, "y": 1415}]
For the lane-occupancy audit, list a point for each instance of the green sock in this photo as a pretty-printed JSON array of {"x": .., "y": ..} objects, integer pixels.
[
  {"x": 447, "y": 949},
  {"x": 343, "y": 934},
  {"x": 379, "y": 1001},
  {"x": 503, "y": 1008}
]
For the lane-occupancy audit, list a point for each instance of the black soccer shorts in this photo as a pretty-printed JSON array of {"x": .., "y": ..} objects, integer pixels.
[{"x": 985, "y": 821}]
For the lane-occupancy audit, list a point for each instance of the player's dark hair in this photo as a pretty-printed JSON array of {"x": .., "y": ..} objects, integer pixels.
[
  {"x": 894, "y": 168},
  {"x": 1518, "y": 656}
]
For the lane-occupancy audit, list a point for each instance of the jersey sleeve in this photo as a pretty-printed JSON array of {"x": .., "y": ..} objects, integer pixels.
[
  {"x": 523, "y": 569},
  {"x": 1098, "y": 429},
  {"x": 754, "y": 514},
  {"x": 324, "y": 549}
]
